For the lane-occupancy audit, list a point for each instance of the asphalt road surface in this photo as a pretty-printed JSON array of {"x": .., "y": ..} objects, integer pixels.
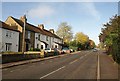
[{"x": 82, "y": 65}]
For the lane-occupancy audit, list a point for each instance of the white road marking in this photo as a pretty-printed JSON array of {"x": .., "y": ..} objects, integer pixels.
[
  {"x": 98, "y": 69},
  {"x": 84, "y": 56},
  {"x": 51, "y": 72},
  {"x": 73, "y": 61},
  {"x": 11, "y": 71}
]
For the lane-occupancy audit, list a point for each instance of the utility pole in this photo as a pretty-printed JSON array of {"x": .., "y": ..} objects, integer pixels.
[{"x": 23, "y": 39}]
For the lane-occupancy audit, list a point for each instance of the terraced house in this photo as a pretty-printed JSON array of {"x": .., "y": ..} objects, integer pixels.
[
  {"x": 9, "y": 37},
  {"x": 35, "y": 36},
  {"x": 47, "y": 39}
]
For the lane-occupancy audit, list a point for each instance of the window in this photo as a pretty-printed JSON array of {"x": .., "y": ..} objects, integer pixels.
[
  {"x": 28, "y": 34},
  {"x": 46, "y": 46},
  {"x": 53, "y": 39},
  {"x": 41, "y": 46},
  {"x": 8, "y": 34},
  {"x": 39, "y": 37},
  {"x": 46, "y": 38},
  {"x": 8, "y": 46},
  {"x": 37, "y": 45}
]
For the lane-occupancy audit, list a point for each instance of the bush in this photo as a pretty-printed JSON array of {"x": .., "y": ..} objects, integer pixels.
[
  {"x": 10, "y": 52},
  {"x": 34, "y": 49},
  {"x": 31, "y": 49}
]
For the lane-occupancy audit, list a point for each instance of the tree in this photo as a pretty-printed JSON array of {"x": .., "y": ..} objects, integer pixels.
[
  {"x": 91, "y": 44},
  {"x": 110, "y": 37},
  {"x": 64, "y": 31},
  {"x": 73, "y": 45},
  {"x": 81, "y": 38}
]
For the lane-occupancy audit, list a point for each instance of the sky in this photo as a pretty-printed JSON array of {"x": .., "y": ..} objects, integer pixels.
[{"x": 86, "y": 17}]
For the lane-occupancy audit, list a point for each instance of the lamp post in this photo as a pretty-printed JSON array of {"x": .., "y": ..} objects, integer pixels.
[{"x": 23, "y": 39}]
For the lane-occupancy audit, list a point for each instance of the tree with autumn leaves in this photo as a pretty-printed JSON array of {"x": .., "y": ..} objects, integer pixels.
[
  {"x": 79, "y": 42},
  {"x": 110, "y": 37},
  {"x": 83, "y": 41}
]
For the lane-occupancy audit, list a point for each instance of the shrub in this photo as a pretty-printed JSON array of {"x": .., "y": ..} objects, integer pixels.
[{"x": 34, "y": 49}]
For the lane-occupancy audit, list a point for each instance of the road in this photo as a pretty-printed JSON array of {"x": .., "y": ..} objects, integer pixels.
[{"x": 82, "y": 65}]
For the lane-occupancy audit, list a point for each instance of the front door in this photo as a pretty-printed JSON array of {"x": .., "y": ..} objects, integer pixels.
[{"x": 27, "y": 47}]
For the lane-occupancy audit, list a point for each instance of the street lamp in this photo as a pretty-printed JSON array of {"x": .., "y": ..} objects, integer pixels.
[{"x": 23, "y": 39}]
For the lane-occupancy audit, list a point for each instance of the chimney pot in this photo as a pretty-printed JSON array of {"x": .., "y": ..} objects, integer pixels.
[
  {"x": 51, "y": 30},
  {"x": 41, "y": 26},
  {"x": 23, "y": 18}
]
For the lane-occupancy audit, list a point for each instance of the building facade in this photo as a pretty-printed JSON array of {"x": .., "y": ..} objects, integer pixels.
[
  {"x": 9, "y": 38},
  {"x": 35, "y": 36},
  {"x": 47, "y": 39}
]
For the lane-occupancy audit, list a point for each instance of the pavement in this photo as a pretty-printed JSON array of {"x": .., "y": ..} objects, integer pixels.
[{"x": 7, "y": 65}]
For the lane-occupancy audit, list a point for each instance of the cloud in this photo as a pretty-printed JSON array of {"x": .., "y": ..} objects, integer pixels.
[
  {"x": 89, "y": 8},
  {"x": 41, "y": 11}
]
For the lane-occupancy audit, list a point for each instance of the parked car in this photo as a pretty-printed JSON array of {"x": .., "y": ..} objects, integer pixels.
[
  {"x": 71, "y": 50},
  {"x": 65, "y": 50},
  {"x": 48, "y": 50}
]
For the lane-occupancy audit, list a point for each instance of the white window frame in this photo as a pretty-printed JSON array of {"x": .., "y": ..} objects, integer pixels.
[
  {"x": 8, "y": 34},
  {"x": 29, "y": 34},
  {"x": 39, "y": 37},
  {"x": 37, "y": 45},
  {"x": 47, "y": 38},
  {"x": 8, "y": 46}
]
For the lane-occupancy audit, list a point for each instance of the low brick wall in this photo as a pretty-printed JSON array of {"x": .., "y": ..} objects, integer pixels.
[{"x": 7, "y": 58}]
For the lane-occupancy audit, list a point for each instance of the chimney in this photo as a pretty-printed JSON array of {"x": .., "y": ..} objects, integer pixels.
[
  {"x": 51, "y": 30},
  {"x": 41, "y": 26},
  {"x": 23, "y": 18}
]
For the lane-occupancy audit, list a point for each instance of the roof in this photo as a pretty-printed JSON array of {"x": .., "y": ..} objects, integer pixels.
[
  {"x": 28, "y": 26},
  {"x": 61, "y": 44},
  {"x": 35, "y": 29},
  {"x": 44, "y": 42},
  {"x": 6, "y": 26},
  {"x": 51, "y": 34}
]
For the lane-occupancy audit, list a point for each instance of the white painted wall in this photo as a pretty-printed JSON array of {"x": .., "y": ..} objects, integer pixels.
[
  {"x": 42, "y": 38},
  {"x": 14, "y": 39},
  {"x": 37, "y": 41},
  {"x": 51, "y": 41},
  {"x": 58, "y": 41}
]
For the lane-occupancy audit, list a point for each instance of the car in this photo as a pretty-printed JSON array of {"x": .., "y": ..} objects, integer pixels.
[
  {"x": 65, "y": 50},
  {"x": 48, "y": 50},
  {"x": 95, "y": 50}
]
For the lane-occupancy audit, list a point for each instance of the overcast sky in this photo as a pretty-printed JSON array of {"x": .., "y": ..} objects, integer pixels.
[{"x": 86, "y": 17}]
